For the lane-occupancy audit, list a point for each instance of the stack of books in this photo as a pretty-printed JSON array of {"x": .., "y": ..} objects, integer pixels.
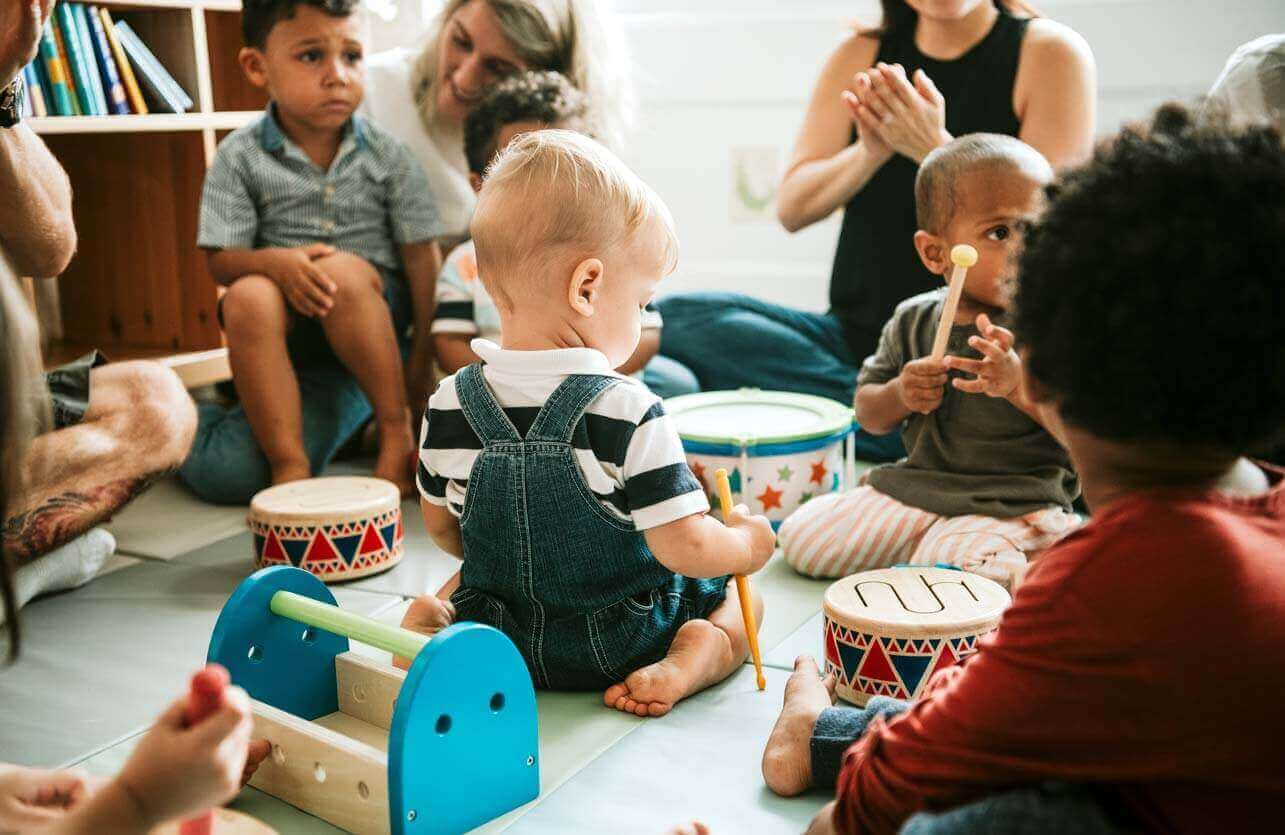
[{"x": 92, "y": 65}]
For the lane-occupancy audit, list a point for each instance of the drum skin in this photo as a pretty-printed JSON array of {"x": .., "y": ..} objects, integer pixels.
[
  {"x": 888, "y": 631},
  {"x": 338, "y": 528}
]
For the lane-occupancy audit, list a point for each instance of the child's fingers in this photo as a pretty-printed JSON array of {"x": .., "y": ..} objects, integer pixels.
[
  {"x": 318, "y": 250},
  {"x": 988, "y": 347},
  {"x": 974, "y": 386},
  {"x": 322, "y": 281},
  {"x": 231, "y": 718},
  {"x": 966, "y": 365}
]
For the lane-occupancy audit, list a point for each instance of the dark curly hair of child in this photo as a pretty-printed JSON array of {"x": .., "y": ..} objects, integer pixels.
[
  {"x": 259, "y": 16},
  {"x": 1152, "y": 291},
  {"x": 534, "y": 96}
]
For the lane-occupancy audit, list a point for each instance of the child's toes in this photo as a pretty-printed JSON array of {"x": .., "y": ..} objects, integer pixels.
[{"x": 615, "y": 696}]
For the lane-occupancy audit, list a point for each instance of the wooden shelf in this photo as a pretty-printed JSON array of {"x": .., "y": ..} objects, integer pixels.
[
  {"x": 167, "y": 122},
  {"x": 211, "y": 5},
  {"x": 194, "y": 368}
]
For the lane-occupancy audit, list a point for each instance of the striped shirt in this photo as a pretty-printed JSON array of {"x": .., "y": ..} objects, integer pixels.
[
  {"x": 464, "y": 307},
  {"x": 262, "y": 191},
  {"x": 629, "y": 453}
]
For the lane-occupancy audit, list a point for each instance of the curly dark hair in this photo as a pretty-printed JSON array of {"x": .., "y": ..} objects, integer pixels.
[
  {"x": 1152, "y": 292},
  {"x": 259, "y": 16},
  {"x": 534, "y": 96}
]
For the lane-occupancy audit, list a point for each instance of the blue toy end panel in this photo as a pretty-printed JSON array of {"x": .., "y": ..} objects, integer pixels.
[
  {"x": 464, "y": 745},
  {"x": 277, "y": 660}
]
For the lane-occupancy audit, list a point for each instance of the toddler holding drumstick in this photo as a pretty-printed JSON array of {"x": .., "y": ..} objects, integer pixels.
[{"x": 984, "y": 485}]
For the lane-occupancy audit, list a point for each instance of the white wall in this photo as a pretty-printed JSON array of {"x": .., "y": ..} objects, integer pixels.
[{"x": 723, "y": 85}]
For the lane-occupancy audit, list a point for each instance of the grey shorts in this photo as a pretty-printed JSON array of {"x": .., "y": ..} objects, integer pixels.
[{"x": 69, "y": 389}]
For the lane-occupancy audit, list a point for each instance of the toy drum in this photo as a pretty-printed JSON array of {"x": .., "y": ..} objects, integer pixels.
[
  {"x": 888, "y": 631},
  {"x": 781, "y": 449},
  {"x": 338, "y": 528}
]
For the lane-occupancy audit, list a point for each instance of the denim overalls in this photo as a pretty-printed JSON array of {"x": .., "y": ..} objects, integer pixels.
[{"x": 574, "y": 587}]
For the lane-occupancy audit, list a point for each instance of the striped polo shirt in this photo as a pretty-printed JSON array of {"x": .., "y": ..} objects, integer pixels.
[
  {"x": 629, "y": 453},
  {"x": 262, "y": 191}
]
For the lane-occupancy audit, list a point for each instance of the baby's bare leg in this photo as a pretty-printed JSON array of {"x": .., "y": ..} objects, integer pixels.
[
  {"x": 704, "y": 652},
  {"x": 256, "y": 320},
  {"x": 360, "y": 330}
]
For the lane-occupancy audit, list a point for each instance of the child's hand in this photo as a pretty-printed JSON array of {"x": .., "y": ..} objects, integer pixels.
[
  {"x": 427, "y": 615},
  {"x": 999, "y": 372},
  {"x": 34, "y": 797},
  {"x": 309, "y": 290},
  {"x": 922, "y": 384},
  {"x": 760, "y": 539},
  {"x": 178, "y": 771}
]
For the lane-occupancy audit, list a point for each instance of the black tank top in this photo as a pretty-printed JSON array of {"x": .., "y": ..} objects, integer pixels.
[{"x": 875, "y": 265}]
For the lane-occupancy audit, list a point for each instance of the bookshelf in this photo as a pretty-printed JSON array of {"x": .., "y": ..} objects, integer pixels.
[{"x": 138, "y": 286}]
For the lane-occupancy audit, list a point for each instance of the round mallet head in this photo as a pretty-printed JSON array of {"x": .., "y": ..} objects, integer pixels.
[{"x": 963, "y": 255}]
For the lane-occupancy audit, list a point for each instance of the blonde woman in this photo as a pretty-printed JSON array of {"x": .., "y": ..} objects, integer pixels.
[{"x": 423, "y": 96}]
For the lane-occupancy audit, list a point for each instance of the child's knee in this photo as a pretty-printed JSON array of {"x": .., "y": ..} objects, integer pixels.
[
  {"x": 252, "y": 303},
  {"x": 355, "y": 278}
]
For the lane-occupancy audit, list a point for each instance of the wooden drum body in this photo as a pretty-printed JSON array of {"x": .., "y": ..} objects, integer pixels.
[
  {"x": 337, "y": 528},
  {"x": 888, "y": 631}
]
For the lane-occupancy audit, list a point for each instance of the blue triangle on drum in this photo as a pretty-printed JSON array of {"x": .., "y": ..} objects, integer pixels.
[
  {"x": 295, "y": 549},
  {"x": 911, "y": 668},
  {"x": 388, "y": 532},
  {"x": 851, "y": 657},
  {"x": 346, "y": 546}
]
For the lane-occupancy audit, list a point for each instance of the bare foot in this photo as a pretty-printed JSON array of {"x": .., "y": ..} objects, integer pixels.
[
  {"x": 427, "y": 615},
  {"x": 700, "y": 655},
  {"x": 290, "y": 471},
  {"x": 787, "y": 759},
  {"x": 396, "y": 461}
]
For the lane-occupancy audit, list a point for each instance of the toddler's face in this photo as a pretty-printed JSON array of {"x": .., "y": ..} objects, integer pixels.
[
  {"x": 991, "y": 217},
  {"x": 312, "y": 66}
]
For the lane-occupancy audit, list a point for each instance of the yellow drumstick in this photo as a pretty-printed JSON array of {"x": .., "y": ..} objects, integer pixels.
[
  {"x": 962, "y": 256},
  {"x": 742, "y": 582}
]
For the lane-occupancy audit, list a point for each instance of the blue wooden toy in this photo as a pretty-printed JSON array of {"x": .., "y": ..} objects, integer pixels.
[{"x": 441, "y": 748}]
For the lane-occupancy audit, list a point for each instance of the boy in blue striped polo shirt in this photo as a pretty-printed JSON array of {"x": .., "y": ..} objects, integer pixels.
[
  {"x": 560, "y": 482},
  {"x": 322, "y": 228}
]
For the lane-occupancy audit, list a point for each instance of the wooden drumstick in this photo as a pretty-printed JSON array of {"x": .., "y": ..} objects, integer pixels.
[
  {"x": 203, "y": 698},
  {"x": 962, "y": 256},
  {"x": 742, "y": 583}
]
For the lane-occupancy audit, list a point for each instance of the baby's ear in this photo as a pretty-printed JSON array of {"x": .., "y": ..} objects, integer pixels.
[
  {"x": 586, "y": 284},
  {"x": 932, "y": 251}
]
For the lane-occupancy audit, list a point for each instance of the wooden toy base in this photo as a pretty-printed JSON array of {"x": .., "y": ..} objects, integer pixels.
[{"x": 226, "y": 822}]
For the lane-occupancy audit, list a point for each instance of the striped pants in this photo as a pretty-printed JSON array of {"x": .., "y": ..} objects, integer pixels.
[{"x": 843, "y": 533}]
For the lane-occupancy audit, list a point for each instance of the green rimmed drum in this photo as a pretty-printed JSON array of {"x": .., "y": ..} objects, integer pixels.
[{"x": 781, "y": 449}]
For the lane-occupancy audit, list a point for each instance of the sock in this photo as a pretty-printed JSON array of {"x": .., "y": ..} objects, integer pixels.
[{"x": 67, "y": 567}]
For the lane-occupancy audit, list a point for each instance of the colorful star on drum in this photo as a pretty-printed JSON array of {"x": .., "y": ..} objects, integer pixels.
[
  {"x": 818, "y": 473},
  {"x": 698, "y": 470},
  {"x": 785, "y": 473},
  {"x": 770, "y": 498}
]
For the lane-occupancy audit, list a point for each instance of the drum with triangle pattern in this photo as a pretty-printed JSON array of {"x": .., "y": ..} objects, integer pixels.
[
  {"x": 339, "y": 528},
  {"x": 888, "y": 631}
]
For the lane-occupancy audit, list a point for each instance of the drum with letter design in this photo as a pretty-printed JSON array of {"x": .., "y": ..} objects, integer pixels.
[
  {"x": 781, "y": 449},
  {"x": 338, "y": 528},
  {"x": 888, "y": 631}
]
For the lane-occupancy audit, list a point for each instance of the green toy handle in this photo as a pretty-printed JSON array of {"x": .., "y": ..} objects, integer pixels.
[{"x": 394, "y": 639}]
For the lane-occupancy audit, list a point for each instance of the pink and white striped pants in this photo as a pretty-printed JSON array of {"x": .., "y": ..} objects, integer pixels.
[{"x": 843, "y": 533}]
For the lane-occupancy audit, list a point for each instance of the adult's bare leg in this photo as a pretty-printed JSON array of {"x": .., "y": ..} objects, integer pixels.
[{"x": 138, "y": 427}]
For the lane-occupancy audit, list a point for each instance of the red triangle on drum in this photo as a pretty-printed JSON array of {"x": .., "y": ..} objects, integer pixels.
[
  {"x": 876, "y": 664},
  {"x": 370, "y": 541},
  {"x": 831, "y": 651},
  {"x": 397, "y": 537},
  {"x": 272, "y": 550},
  {"x": 946, "y": 659},
  {"x": 320, "y": 550}
]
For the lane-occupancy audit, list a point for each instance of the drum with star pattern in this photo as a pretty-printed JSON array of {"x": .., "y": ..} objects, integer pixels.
[{"x": 780, "y": 449}]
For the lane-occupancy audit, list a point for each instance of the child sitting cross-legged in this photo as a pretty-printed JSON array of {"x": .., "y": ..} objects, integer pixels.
[
  {"x": 1134, "y": 683},
  {"x": 561, "y": 483},
  {"x": 321, "y": 226},
  {"x": 531, "y": 100},
  {"x": 984, "y": 485}
]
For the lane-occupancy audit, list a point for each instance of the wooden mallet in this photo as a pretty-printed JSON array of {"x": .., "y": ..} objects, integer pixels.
[
  {"x": 742, "y": 583},
  {"x": 962, "y": 256}
]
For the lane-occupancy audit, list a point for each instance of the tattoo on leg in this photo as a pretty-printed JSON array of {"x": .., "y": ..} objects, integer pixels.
[{"x": 66, "y": 516}]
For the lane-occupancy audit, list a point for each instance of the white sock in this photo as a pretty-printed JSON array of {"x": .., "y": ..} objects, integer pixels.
[{"x": 67, "y": 567}]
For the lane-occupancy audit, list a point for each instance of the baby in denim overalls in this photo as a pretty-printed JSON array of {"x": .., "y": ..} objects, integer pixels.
[{"x": 560, "y": 483}]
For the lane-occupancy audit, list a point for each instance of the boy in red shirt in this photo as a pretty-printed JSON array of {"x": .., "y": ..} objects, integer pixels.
[{"x": 1135, "y": 681}]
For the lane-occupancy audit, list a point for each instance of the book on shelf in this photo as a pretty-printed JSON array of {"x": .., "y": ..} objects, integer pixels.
[
  {"x": 69, "y": 40},
  {"x": 64, "y": 67},
  {"x": 127, "y": 78},
  {"x": 35, "y": 93},
  {"x": 91, "y": 62},
  {"x": 58, "y": 92},
  {"x": 167, "y": 96},
  {"x": 113, "y": 89}
]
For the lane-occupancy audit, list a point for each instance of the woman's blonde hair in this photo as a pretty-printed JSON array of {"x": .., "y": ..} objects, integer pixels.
[
  {"x": 578, "y": 38},
  {"x": 23, "y": 412}
]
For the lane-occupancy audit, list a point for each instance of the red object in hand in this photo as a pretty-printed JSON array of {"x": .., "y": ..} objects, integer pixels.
[{"x": 203, "y": 698}]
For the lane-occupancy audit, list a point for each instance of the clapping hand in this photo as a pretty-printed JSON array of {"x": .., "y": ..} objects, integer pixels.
[{"x": 907, "y": 115}]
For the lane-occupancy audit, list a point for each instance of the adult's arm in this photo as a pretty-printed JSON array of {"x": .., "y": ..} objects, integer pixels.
[
  {"x": 1055, "y": 93},
  {"x": 36, "y": 228},
  {"x": 826, "y": 168}
]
